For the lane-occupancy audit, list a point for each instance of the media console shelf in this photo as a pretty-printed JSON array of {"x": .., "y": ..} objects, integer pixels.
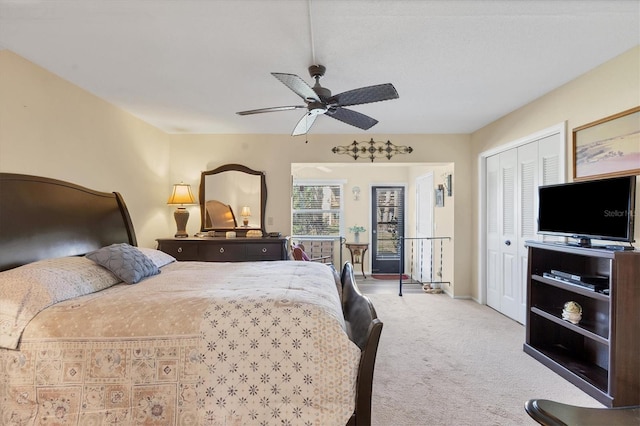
[{"x": 600, "y": 354}]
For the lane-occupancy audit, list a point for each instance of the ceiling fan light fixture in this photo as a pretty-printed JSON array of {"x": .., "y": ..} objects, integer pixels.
[{"x": 319, "y": 101}]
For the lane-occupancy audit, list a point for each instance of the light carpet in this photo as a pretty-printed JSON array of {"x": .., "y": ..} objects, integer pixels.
[{"x": 444, "y": 361}]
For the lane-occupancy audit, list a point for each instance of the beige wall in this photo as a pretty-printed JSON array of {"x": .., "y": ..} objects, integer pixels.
[
  {"x": 608, "y": 89},
  {"x": 49, "y": 127},
  {"x": 444, "y": 222}
]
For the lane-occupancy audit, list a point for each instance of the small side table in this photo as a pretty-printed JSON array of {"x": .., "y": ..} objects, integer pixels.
[{"x": 357, "y": 254}]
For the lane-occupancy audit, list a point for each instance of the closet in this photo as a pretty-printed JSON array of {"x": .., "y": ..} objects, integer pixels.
[{"x": 512, "y": 178}]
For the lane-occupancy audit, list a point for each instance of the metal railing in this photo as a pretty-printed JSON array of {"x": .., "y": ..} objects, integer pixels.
[{"x": 417, "y": 248}]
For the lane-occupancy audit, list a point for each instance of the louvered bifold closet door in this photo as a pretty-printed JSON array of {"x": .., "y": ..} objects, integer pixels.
[
  {"x": 550, "y": 168},
  {"x": 508, "y": 219},
  {"x": 528, "y": 178},
  {"x": 493, "y": 279},
  {"x": 502, "y": 216},
  {"x": 513, "y": 177}
]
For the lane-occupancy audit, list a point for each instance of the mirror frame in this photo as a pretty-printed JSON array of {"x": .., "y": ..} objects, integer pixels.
[{"x": 235, "y": 168}]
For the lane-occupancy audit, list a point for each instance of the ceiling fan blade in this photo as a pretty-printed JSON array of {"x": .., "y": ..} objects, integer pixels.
[
  {"x": 304, "y": 124},
  {"x": 272, "y": 109},
  {"x": 353, "y": 118},
  {"x": 365, "y": 95},
  {"x": 298, "y": 85}
]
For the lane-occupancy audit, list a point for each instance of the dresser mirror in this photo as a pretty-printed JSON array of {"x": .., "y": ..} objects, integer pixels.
[{"x": 232, "y": 197}]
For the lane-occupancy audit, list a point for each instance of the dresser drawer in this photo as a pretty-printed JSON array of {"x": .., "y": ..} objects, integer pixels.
[
  {"x": 217, "y": 249},
  {"x": 264, "y": 251},
  {"x": 220, "y": 252},
  {"x": 181, "y": 250}
]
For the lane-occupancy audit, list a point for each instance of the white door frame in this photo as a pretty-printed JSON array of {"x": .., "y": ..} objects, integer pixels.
[{"x": 560, "y": 128}]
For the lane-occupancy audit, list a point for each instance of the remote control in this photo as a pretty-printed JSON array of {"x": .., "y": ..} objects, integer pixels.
[{"x": 619, "y": 248}]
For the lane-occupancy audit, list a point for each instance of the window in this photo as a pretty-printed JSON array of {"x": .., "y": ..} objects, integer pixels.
[{"x": 317, "y": 208}]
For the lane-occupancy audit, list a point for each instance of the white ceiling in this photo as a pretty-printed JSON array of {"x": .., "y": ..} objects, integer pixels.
[{"x": 186, "y": 66}]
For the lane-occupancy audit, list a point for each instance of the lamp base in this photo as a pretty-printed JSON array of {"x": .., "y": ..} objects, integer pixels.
[{"x": 181, "y": 216}]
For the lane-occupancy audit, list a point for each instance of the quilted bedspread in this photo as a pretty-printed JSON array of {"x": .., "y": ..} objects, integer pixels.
[{"x": 199, "y": 344}]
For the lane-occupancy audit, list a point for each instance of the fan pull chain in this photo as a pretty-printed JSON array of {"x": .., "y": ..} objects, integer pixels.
[{"x": 306, "y": 133}]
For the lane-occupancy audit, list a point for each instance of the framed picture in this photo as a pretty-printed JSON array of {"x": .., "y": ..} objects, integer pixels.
[
  {"x": 440, "y": 196},
  {"x": 608, "y": 147}
]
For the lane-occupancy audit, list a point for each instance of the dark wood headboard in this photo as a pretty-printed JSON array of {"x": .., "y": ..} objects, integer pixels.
[{"x": 42, "y": 218}]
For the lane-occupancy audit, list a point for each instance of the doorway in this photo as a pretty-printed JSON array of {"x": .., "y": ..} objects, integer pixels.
[
  {"x": 387, "y": 220},
  {"x": 423, "y": 264}
]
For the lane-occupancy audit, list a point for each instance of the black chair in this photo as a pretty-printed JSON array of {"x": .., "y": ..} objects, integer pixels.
[
  {"x": 551, "y": 413},
  {"x": 364, "y": 329}
]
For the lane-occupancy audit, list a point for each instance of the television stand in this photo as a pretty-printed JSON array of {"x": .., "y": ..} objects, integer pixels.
[
  {"x": 599, "y": 354},
  {"x": 619, "y": 248}
]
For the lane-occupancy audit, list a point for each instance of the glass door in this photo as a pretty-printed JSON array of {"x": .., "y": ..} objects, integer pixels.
[{"x": 387, "y": 225}]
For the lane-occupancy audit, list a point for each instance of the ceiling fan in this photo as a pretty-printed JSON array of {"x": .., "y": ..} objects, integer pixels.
[{"x": 319, "y": 101}]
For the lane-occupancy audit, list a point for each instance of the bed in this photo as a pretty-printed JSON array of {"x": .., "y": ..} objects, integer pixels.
[{"x": 95, "y": 330}]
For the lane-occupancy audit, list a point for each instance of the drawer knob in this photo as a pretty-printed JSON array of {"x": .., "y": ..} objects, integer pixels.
[
  {"x": 221, "y": 249},
  {"x": 179, "y": 249},
  {"x": 264, "y": 249}
]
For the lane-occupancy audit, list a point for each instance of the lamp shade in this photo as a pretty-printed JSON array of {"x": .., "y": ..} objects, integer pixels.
[
  {"x": 245, "y": 213},
  {"x": 181, "y": 194}
]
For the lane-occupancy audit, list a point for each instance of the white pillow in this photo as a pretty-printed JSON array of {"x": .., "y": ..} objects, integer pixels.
[
  {"x": 158, "y": 257},
  {"x": 28, "y": 289}
]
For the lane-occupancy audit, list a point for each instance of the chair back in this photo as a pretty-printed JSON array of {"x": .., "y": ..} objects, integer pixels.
[{"x": 299, "y": 253}]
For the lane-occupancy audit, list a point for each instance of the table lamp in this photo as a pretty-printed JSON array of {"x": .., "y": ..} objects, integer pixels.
[
  {"x": 180, "y": 196},
  {"x": 245, "y": 213}
]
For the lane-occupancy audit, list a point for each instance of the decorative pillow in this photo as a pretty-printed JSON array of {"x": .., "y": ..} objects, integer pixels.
[
  {"x": 127, "y": 262},
  {"x": 303, "y": 253},
  {"x": 305, "y": 257},
  {"x": 158, "y": 257},
  {"x": 28, "y": 289}
]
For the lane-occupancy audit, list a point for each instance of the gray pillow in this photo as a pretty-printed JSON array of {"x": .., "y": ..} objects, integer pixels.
[{"x": 125, "y": 261}]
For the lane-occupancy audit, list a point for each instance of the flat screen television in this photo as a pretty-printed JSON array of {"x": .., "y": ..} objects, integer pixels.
[{"x": 597, "y": 209}]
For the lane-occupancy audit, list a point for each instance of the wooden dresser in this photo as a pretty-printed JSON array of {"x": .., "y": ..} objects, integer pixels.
[{"x": 216, "y": 249}]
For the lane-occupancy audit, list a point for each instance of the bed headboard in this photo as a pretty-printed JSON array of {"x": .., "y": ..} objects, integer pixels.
[{"x": 42, "y": 218}]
